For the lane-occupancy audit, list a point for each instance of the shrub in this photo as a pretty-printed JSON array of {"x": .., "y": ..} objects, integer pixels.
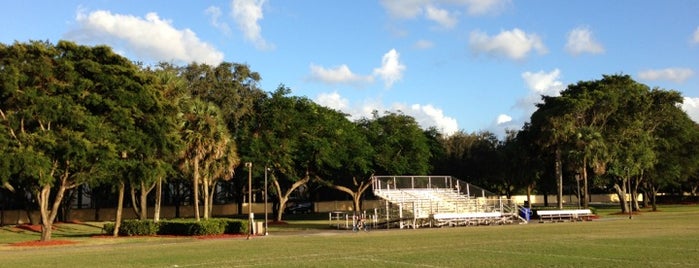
[
  {"x": 236, "y": 226},
  {"x": 108, "y": 228},
  {"x": 175, "y": 227},
  {"x": 138, "y": 227},
  {"x": 208, "y": 227}
]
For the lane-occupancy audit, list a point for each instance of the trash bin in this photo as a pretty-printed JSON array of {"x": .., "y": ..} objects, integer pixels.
[{"x": 525, "y": 213}]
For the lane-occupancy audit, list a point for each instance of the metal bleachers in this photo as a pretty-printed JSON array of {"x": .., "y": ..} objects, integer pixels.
[{"x": 435, "y": 201}]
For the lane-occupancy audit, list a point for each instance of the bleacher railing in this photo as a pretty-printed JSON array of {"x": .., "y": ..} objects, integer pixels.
[{"x": 445, "y": 195}]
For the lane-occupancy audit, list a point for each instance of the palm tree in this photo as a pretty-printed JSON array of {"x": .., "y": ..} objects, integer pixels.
[{"x": 206, "y": 141}]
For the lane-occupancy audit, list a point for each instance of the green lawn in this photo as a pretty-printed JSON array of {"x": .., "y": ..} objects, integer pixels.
[{"x": 669, "y": 238}]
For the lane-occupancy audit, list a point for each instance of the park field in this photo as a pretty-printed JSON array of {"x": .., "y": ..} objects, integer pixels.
[{"x": 668, "y": 238}]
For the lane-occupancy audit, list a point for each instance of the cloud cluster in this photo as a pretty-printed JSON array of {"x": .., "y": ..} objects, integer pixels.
[
  {"x": 580, "y": 40},
  {"x": 695, "y": 36},
  {"x": 338, "y": 75},
  {"x": 390, "y": 71},
  {"x": 426, "y": 115},
  {"x": 215, "y": 14},
  {"x": 539, "y": 84},
  {"x": 247, "y": 14},
  {"x": 677, "y": 75},
  {"x": 515, "y": 44},
  {"x": 409, "y": 9},
  {"x": 150, "y": 37},
  {"x": 691, "y": 106}
]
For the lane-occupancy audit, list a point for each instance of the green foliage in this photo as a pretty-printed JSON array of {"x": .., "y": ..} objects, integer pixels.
[
  {"x": 204, "y": 227},
  {"x": 138, "y": 228},
  {"x": 108, "y": 228}
]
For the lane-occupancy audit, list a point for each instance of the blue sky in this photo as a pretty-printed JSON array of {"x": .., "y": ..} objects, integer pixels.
[{"x": 469, "y": 65}]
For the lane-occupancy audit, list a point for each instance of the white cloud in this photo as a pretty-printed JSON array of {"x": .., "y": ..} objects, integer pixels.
[
  {"x": 691, "y": 106},
  {"x": 246, "y": 14},
  {"x": 423, "y": 44},
  {"x": 502, "y": 119},
  {"x": 480, "y": 7},
  {"x": 425, "y": 115},
  {"x": 677, "y": 75},
  {"x": 408, "y": 9},
  {"x": 430, "y": 116},
  {"x": 543, "y": 83},
  {"x": 580, "y": 40},
  {"x": 215, "y": 13},
  {"x": 338, "y": 75},
  {"x": 151, "y": 37},
  {"x": 514, "y": 44},
  {"x": 441, "y": 16},
  {"x": 391, "y": 69},
  {"x": 695, "y": 37},
  {"x": 333, "y": 101},
  {"x": 404, "y": 9}
]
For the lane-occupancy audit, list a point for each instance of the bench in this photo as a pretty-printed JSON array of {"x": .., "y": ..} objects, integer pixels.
[
  {"x": 470, "y": 218},
  {"x": 564, "y": 215}
]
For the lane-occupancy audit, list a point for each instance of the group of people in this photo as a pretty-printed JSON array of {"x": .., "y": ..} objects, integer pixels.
[{"x": 359, "y": 223}]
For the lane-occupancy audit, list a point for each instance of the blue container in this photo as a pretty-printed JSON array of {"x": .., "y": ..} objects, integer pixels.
[{"x": 525, "y": 213}]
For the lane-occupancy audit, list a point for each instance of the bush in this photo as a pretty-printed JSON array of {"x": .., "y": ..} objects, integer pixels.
[
  {"x": 175, "y": 227},
  {"x": 138, "y": 227},
  {"x": 179, "y": 227},
  {"x": 108, "y": 228},
  {"x": 208, "y": 227},
  {"x": 236, "y": 226}
]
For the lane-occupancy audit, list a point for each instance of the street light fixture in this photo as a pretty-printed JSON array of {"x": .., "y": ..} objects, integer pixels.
[{"x": 249, "y": 166}]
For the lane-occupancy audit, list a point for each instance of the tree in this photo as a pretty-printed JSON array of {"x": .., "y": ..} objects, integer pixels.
[
  {"x": 233, "y": 88},
  {"x": 61, "y": 107},
  {"x": 207, "y": 154},
  {"x": 401, "y": 147}
]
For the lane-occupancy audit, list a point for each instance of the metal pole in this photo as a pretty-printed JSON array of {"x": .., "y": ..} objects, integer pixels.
[
  {"x": 266, "y": 220},
  {"x": 250, "y": 224}
]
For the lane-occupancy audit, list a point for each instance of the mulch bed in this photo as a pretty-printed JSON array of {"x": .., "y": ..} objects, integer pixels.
[{"x": 38, "y": 243}]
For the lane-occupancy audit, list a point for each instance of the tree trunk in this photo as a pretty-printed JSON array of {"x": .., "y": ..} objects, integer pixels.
[
  {"x": 586, "y": 193},
  {"x": 212, "y": 194},
  {"x": 120, "y": 209},
  {"x": 48, "y": 215},
  {"x": 356, "y": 195},
  {"x": 134, "y": 202},
  {"x": 529, "y": 196},
  {"x": 654, "y": 193},
  {"x": 158, "y": 199},
  {"x": 283, "y": 198},
  {"x": 206, "y": 198},
  {"x": 195, "y": 188},
  {"x": 621, "y": 193},
  {"x": 144, "y": 200},
  {"x": 559, "y": 178}
]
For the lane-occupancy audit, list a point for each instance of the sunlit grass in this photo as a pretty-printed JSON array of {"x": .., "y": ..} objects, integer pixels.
[{"x": 650, "y": 239}]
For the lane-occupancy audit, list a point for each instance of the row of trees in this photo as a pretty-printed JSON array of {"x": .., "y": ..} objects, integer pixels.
[
  {"x": 73, "y": 116},
  {"x": 612, "y": 135}
]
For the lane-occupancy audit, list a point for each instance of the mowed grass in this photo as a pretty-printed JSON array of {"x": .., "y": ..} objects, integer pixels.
[{"x": 669, "y": 238}]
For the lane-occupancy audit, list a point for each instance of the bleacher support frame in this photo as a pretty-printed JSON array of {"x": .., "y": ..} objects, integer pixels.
[{"x": 437, "y": 201}]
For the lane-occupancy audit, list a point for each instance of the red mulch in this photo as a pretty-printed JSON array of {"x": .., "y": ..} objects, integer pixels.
[{"x": 38, "y": 243}]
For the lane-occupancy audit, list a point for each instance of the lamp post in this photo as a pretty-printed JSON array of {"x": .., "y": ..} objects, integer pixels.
[
  {"x": 249, "y": 166},
  {"x": 266, "y": 221}
]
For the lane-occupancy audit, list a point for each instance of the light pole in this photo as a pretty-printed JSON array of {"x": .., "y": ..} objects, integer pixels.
[
  {"x": 266, "y": 169},
  {"x": 249, "y": 166}
]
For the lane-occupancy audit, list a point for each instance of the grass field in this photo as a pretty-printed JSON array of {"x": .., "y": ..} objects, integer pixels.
[{"x": 669, "y": 238}]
